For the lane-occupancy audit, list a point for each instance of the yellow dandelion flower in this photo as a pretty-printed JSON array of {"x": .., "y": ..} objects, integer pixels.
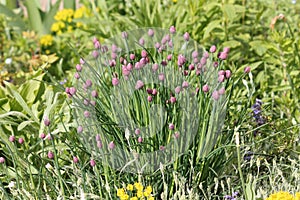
[
  {"x": 148, "y": 189},
  {"x": 147, "y": 193},
  {"x": 55, "y": 27},
  {"x": 134, "y": 198},
  {"x": 120, "y": 192},
  {"x": 46, "y": 40},
  {"x": 139, "y": 194},
  {"x": 138, "y": 186},
  {"x": 297, "y": 196}
]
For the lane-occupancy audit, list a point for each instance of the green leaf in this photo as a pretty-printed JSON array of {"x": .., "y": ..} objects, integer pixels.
[
  {"x": 259, "y": 47},
  {"x": 35, "y": 19},
  {"x": 49, "y": 17},
  {"x": 16, "y": 20},
  {"x": 21, "y": 101},
  {"x": 24, "y": 124},
  {"x": 210, "y": 27},
  {"x": 229, "y": 11},
  {"x": 231, "y": 43}
]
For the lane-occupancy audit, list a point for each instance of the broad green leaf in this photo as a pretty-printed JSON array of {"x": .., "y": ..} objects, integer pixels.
[
  {"x": 13, "y": 113},
  {"x": 35, "y": 19},
  {"x": 232, "y": 43},
  {"x": 24, "y": 124},
  {"x": 49, "y": 17},
  {"x": 259, "y": 47},
  {"x": 210, "y": 27},
  {"x": 21, "y": 101},
  {"x": 229, "y": 11}
]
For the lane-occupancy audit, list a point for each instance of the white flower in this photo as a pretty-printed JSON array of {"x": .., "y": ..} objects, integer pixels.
[{"x": 8, "y": 61}]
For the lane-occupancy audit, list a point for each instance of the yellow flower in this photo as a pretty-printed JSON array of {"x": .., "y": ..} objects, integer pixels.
[
  {"x": 148, "y": 189},
  {"x": 79, "y": 24},
  {"x": 79, "y": 12},
  {"x": 150, "y": 198},
  {"x": 133, "y": 198},
  {"x": 129, "y": 187},
  {"x": 138, "y": 186},
  {"x": 139, "y": 194},
  {"x": 46, "y": 40},
  {"x": 174, "y": 1},
  {"x": 297, "y": 196},
  {"x": 120, "y": 192},
  {"x": 281, "y": 195},
  {"x": 55, "y": 27}
]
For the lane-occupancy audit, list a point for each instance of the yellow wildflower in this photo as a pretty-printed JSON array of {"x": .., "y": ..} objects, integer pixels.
[
  {"x": 151, "y": 198},
  {"x": 80, "y": 12},
  {"x": 139, "y": 194},
  {"x": 55, "y": 27},
  {"x": 281, "y": 195},
  {"x": 129, "y": 187},
  {"x": 133, "y": 198},
  {"x": 297, "y": 196},
  {"x": 138, "y": 186},
  {"x": 120, "y": 192},
  {"x": 46, "y": 40}
]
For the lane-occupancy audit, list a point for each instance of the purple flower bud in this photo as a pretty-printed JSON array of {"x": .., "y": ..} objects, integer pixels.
[
  {"x": 95, "y": 54},
  {"x": 161, "y": 77},
  {"x": 155, "y": 67},
  {"x": 185, "y": 84},
  {"x": 186, "y": 36},
  {"x": 177, "y": 89},
  {"x": 139, "y": 85},
  {"x": 149, "y": 90},
  {"x": 142, "y": 41},
  {"x": 76, "y": 75},
  {"x": 97, "y": 45},
  {"x": 46, "y": 121},
  {"x": 206, "y": 55},
  {"x": 181, "y": 60},
  {"x": 173, "y": 99},
  {"x": 144, "y": 53},
  {"x": 170, "y": 44},
  {"x": 125, "y": 71},
  {"x": 213, "y": 49},
  {"x": 97, "y": 137},
  {"x": 93, "y": 102},
  {"x": 99, "y": 144},
  {"x": 92, "y": 163},
  {"x": 221, "y": 72},
  {"x": 161, "y": 148},
  {"x": 226, "y": 50},
  {"x": 171, "y": 126},
  {"x": 169, "y": 57},
  {"x": 112, "y": 63},
  {"x": 124, "y": 35},
  {"x": 149, "y": 98},
  {"x": 78, "y": 68},
  {"x": 222, "y": 91},
  {"x": 11, "y": 138},
  {"x": 50, "y": 155},
  {"x": 150, "y": 32},
  {"x": 198, "y": 72},
  {"x": 216, "y": 64},
  {"x": 132, "y": 56},
  {"x": 227, "y": 73},
  {"x": 88, "y": 83},
  {"x": 72, "y": 91},
  {"x": 94, "y": 93},
  {"x": 86, "y": 114},
  {"x": 205, "y": 88},
  {"x": 195, "y": 54},
  {"x": 81, "y": 61},
  {"x": 215, "y": 95},
  {"x": 114, "y": 48},
  {"x": 114, "y": 56},
  {"x": 172, "y": 30},
  {"x": 86, "y": 102},
  {"x": 75, "y": 159},
  {"x": 79, "y": 129},
  {"x": 203, "y": 61},
  {"x": 191, "y": 67},
  {"x": 140, "y": 140},
  {"x": 2, "y": 160},
  {"x": 247, "y": 70},
  {"x": 137, "y": 131},
  {"x": 111, "y": 145},
  {"x": 42, "y": 135},
  {"x": 154, "y": 92},
  {"x": 176, "y": 135},
  {"x": 157, "y": 45},
  {"x": 221, "y": 78},
  {"x": 223, "y": 56}
]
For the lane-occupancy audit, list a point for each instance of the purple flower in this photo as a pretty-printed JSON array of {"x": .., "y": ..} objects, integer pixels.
[
  {"x": 154, "y": 92},
  {"x": 137, "y": 131},
  {"x": 78, "y": 68},
  {"x": 76, "y": 75},
  {"x": 191, "y": 67},
  {"x": 195, "y": 54},
  {"x": 181, "y": 60},
  {"x": 173, "y": 99},
  {"x": 46, "y": 121},
  {"x": 82, "y": 62},
  {"x": 132, "y": 56},
  {"x": 205, "y": 88},
  {"x": 213, "y": 49},
  {"x": 79, "y": 129},
  {"x": 155, "y": 67},
  {"x": 185, "y": 84},
  {"x": 11, "y": 138},
  {"x": 215, "y": 95},
  {"x": 92, "y": 163},
  {"x": 97, "y": 45},
  {"x": 222, "y": 91},
  {"x": 88, "y": 83},
  {"x": 221, "y": 78},
  {"x": 226, "y": 50},
  {"x": 223, "y": 55},
  {"x": 172, "y": 30},
  {"x": 227, "y": 73},
  {"x": 144, "y": 54},
  {"x": 149, "y": 98},
  {"x": 161, "y": 76},
  {"x": 50, "y": 155},
  {"x": 111, "y": 145},
  {"x": 72, "y": 91},
  {"x": 186, "y": 36},
  {"x": 75, "y": 159},
  {"x": 2, "y": 160},
  {"x": 86, "y": 114},
  {"x": 177, "y": 89},
  {"x": 94, "y": 93},
  {"x": 247, "y": 70},
  {"x": 171, "y": 126},
  {"x": 21, "y": 140},
  {"x": 95, "y": 54},
  {"x": 115, "y": 81},
  {"x": 140, "y": 139},
  {"x": 203, "y": 61},
  {"x": 139, "y": 85},
  {"x": 150, "y": 32},
  {"x": 42, "y": 135},
  {"x": 142, "y": 41},
  {"x": 124, "y": 35}
]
